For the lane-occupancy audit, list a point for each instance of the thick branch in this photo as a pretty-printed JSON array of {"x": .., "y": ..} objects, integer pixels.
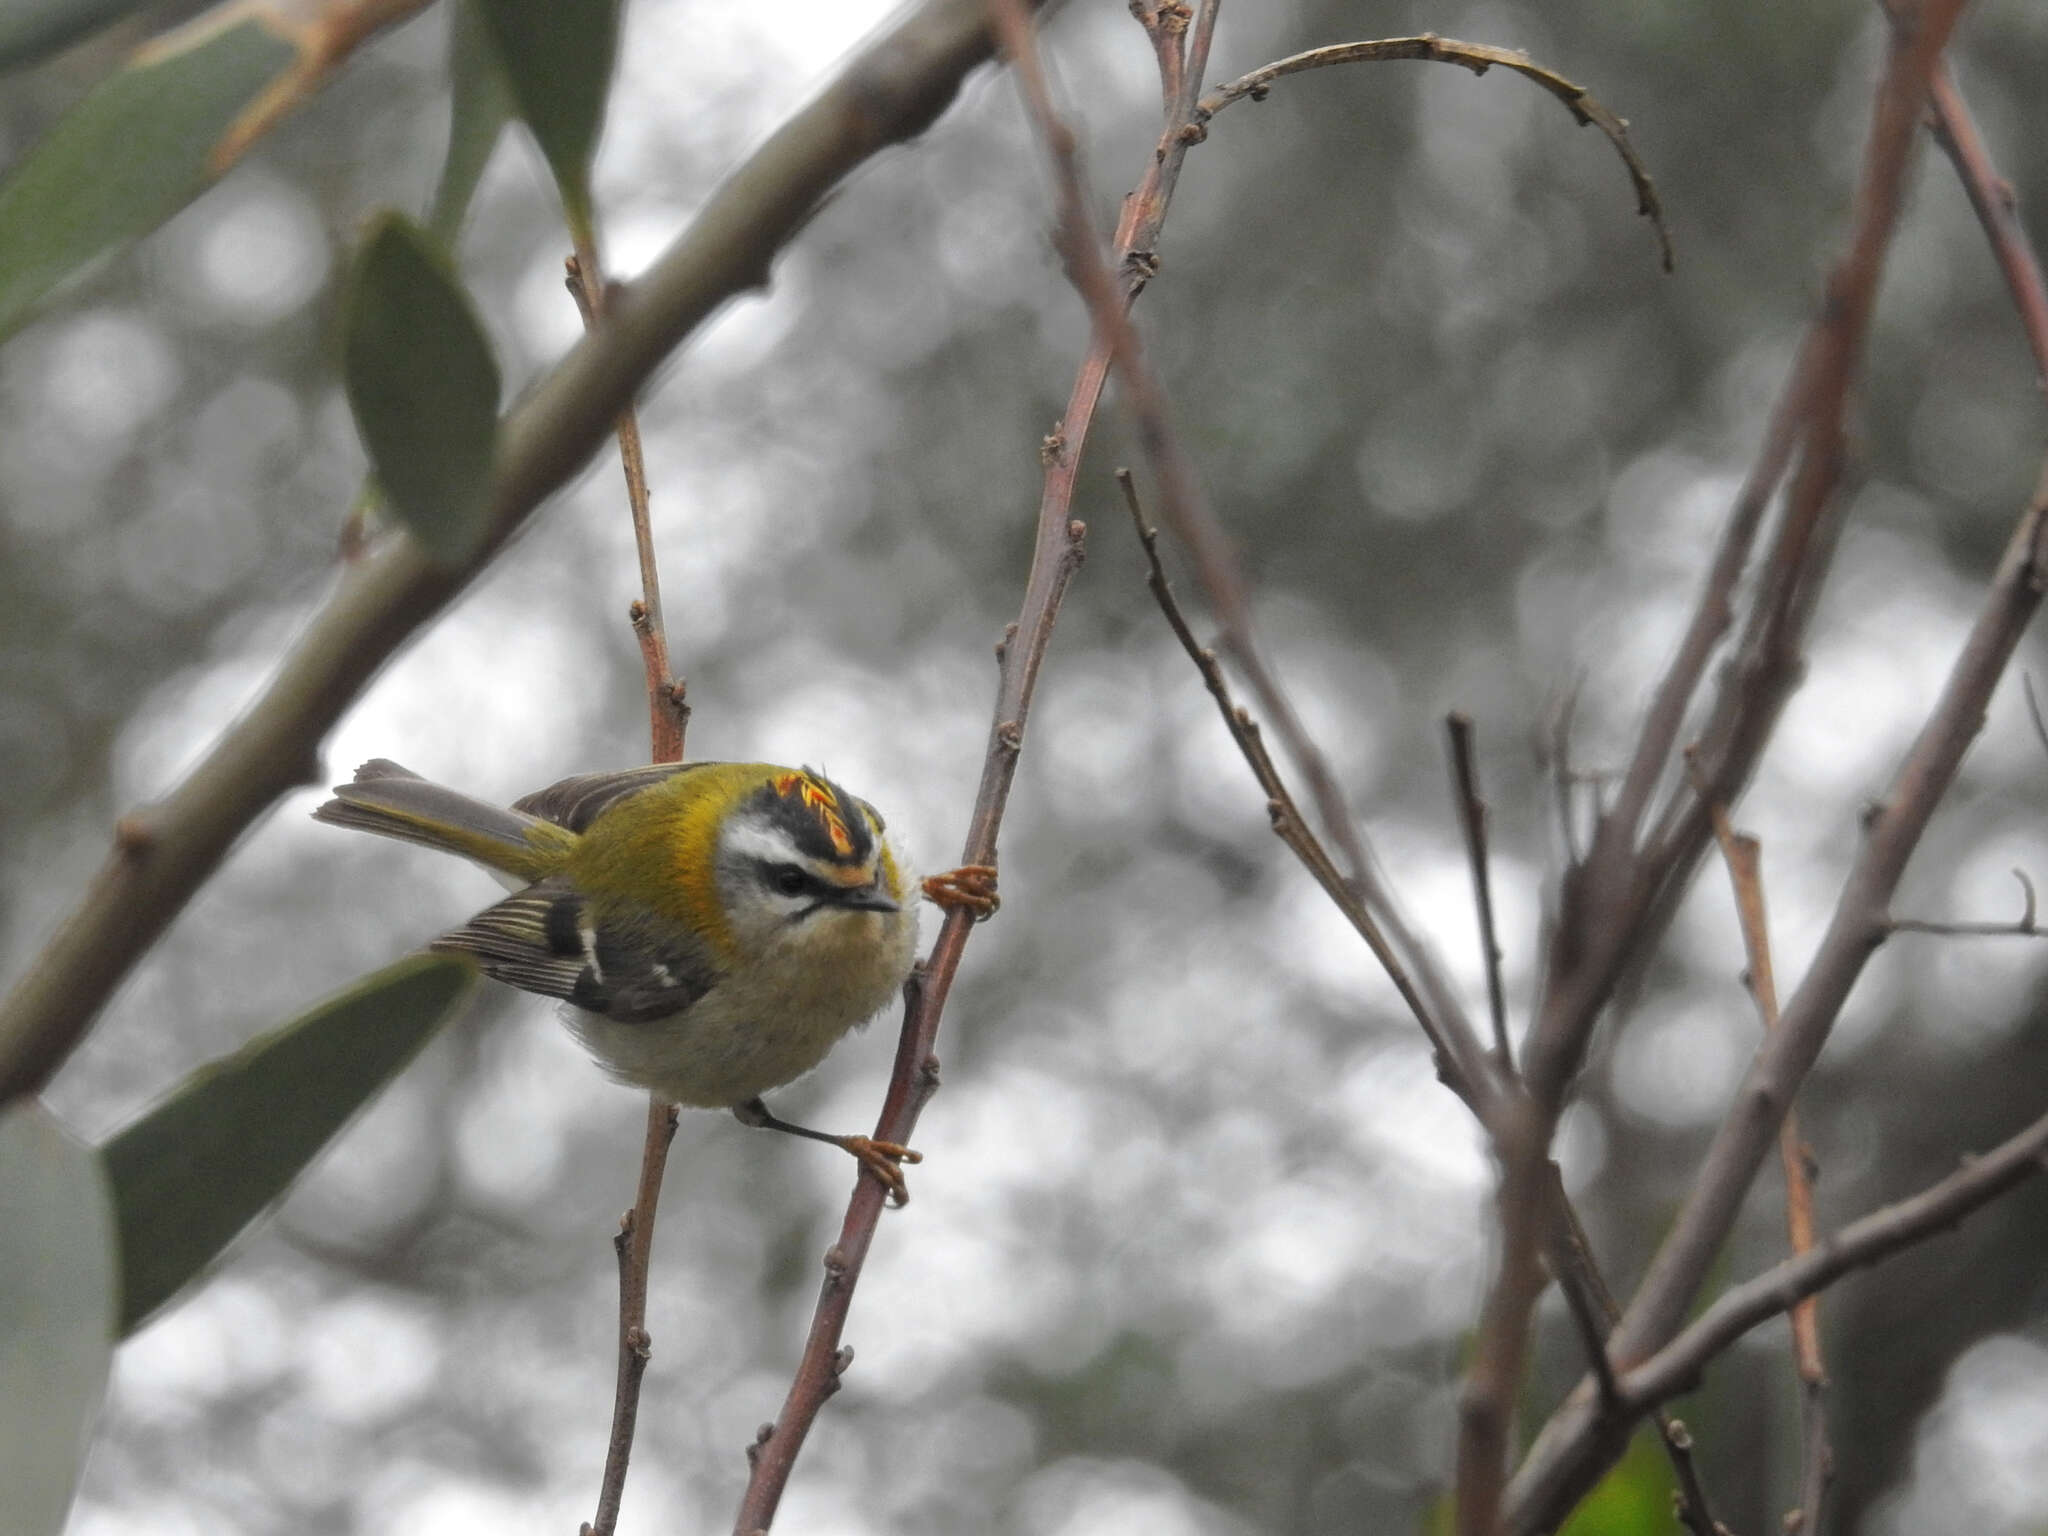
[{"x": 889, "y": 91}]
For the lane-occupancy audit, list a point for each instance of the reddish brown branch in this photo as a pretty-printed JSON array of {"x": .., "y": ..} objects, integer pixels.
[
  {"x": 1743, "y": 856},
  {"x": 668, "y": 709},
  {"x": 667, "y": 715},
  {"x": 915, "y": 1075},
  {"x": 634, "y": 1245}
]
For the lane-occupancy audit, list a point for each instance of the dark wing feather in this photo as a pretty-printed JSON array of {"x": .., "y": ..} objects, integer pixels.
[
  {"x": 576, "y": 802},
  {"x": 544, "y": 940}
]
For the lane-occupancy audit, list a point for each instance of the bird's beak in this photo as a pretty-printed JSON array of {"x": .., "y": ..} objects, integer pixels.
[{"x": 866, "y": 898}]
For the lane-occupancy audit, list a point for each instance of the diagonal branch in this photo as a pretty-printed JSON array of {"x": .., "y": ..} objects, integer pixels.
[{"x": 1873, "y": 1239}]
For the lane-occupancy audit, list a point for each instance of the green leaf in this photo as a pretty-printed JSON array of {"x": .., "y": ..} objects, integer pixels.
[
  {"x": 424, "y": 387},
  {"x": 126, "y": 158},
  {"x": 480, "y": 104},
  {"x": 194, "y": 1171},
  {"x": 34, "y": 29},
  {"x": 1633, "y": 1499},
  {"x": 57, "y": 1304},
  {"x": 558, "y": 57}
]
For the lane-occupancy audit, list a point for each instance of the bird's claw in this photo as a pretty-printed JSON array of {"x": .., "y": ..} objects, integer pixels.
[
  {"x": 883, "y": 1159},
  {"x": 970, "y": 888}
]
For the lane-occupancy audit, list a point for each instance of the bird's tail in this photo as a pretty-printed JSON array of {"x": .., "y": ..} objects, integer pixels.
[{"x": 395, "y": 802}]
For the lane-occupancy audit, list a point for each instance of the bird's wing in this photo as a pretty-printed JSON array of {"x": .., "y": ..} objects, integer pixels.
[
  {"x": 576, "y": 802},
  {"x": 543, "y": 939}
]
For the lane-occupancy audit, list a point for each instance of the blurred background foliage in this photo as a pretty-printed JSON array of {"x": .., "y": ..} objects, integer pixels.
[{"x": 1199, "y": 1236}]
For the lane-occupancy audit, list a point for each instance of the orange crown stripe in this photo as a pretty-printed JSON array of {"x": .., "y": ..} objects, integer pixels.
[{"x": 821, "y": 803}]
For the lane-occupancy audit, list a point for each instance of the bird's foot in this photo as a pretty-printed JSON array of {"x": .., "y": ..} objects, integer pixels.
[{"x": 970, "y": 888}]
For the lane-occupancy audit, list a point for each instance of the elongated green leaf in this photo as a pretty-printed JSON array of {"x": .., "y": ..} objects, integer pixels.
[
  {"x": 480, "y": 105},
  {"x": 194, "y": 1171},
  {"x": 57, "y": 1306},
  {"x": 423, "y": 385},
  {"x": 558, "y": 57},
  {"x": 126, "y": 158},
  {"x": 33, "y": 29}
]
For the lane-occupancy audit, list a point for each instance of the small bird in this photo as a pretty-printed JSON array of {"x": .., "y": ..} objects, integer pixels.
[{"x": 714, "y": 927}]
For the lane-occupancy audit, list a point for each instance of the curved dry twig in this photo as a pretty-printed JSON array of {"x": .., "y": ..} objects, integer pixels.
[
  {"x": 1479, "y": 58},
  {"x": 1056, "y": 555}
]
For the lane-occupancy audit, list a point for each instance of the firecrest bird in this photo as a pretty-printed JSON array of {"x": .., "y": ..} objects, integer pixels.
[{"x": 714, "y": 927}]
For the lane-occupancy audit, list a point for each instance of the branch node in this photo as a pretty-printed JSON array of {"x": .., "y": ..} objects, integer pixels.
[{"x": 134, "y": 834}]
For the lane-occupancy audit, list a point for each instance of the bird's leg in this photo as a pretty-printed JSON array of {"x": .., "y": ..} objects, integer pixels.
[
  {"x": 880, "y": 1158},
  {"x": 970, "y": 888}
]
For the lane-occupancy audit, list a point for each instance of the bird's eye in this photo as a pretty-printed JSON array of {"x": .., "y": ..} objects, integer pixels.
[{"x": 789, "y": 880}]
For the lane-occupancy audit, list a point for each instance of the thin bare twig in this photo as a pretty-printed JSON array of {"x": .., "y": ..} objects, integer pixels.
[
  {"x": 1288, "y": 823},
  {"x": 1056, "y": 555},
  {"x": 1693, "y": 1513},
  {"x": 1743, "y": 856},
  {"x": 2034, "y": 710},
  {"x": 914, "y": 1077},
  {"x": 1479, "y": 58},
  {"x": 668, "y": 707},
  {"x": 634, "y": 1244},
  {"x": 1472, "y": 822},
  {"x": 667, "y": 715},
  {"x": 1997, "y": 208},
  {"x": 2023, "y": 928}
]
